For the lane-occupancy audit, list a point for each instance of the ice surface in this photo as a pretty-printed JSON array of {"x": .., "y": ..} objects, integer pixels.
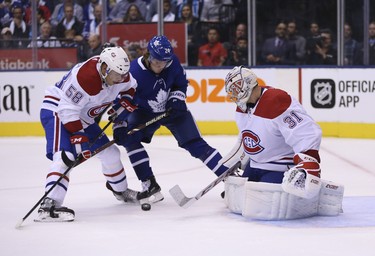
[{"x": 105, "y": 226}]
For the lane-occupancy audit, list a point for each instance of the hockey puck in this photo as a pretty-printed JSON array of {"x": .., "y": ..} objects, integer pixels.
[{"x": 146, "y": 207}]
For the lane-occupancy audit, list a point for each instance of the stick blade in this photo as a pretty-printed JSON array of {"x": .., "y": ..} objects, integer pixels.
[
  {"x": 180, "y": 198},
  {"x": 19, "y": 224}
]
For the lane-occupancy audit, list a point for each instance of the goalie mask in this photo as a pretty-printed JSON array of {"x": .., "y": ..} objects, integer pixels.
[
  {"x": 239, "y": 84},
  {"x": 117, "y": 61}
]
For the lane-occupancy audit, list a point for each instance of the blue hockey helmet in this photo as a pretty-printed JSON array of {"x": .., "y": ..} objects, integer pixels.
[{"x": 160, "y": 48}]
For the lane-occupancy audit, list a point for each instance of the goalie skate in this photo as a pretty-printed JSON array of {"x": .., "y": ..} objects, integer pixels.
[
  {"x": 49, "y": 212},
  {"x": 127, "y": 196},
  {"x": 151, "y": 192}
]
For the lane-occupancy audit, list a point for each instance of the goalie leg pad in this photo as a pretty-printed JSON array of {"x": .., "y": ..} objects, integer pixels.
[
  {"x": 330, "y": 198},
  {"x": 268, "y": 201},
  {"x": 235, "y": 193}
]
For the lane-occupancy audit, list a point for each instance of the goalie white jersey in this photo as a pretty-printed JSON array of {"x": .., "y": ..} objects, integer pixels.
[{"x": 275, "y": 129}]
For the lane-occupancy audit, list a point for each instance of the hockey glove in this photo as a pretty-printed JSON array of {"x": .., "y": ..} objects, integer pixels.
[
  {"x": 176, "y": 103},
  {"x": 125, "y": 102},
  {"x": 303, "y": 180},
  {"x": 80, "y": 142}
]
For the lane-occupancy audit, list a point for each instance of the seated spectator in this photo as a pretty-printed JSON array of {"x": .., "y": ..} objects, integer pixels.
[
  {"x": 118, "y": 11},
  {"x": 59, "y": 12},
  {"x": 314, "y": 34},
  {"x": 93, "y": 47},
  {"x": 352, "y": 48},
  {"x": 153, "y": 9},
  {"x": 134, "y": 51},
  {"x": 278, "y": 50},
  {"x": 195, "y": 7},
  {"x": 211, "y": 10},
  {"x": 168, "y": 14},
  {"x": 324, "y": 53},
  {"x": 46, "y": 40},
  {"x": 238, "y": 55},
  {"x": 371, "y": 35},
  {"x": 5, "y": 12},
  {"x": 192, "y": 29},
  {"x": 6, "y": 39},
  {"x": 298, "y": 41},
  {"x": 89, "y": 10},
  {"x": 43, "y": 13},
  {"x": 69, "y": 39},
  {"x": 20, "y": 30},
  {"x": 213, "y": 53},
  {"x": 69, "y": 22},
  {"x": 241, "y": 31},
  {"x": 133, "y": 15},
  {"x": 93, "y": 26}
]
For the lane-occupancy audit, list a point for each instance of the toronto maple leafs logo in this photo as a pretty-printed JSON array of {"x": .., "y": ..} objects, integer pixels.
[{"x": 158, "y": 105}]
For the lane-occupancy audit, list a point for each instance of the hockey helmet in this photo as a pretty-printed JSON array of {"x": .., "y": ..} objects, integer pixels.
[
  {"x": 239, "y": 84},
  {"x": 160, "y": 48},
  {"x": 116, "y": 59}
]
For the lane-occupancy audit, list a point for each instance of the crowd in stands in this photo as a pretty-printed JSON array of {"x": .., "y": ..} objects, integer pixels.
[{"x": 217, "y": 31}]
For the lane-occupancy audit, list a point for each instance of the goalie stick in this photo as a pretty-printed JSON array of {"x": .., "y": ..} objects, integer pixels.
[
  {"x": 185, "y": 202},
  {"x": 80, "y": 160}
]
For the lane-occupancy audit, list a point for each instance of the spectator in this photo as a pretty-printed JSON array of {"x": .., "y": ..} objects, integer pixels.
[
  {"x": 352, "y": 48},
  {"x": 46, "y": 40},
  {"x": 43, "y": 13},
  {"x": 70, "y": 22},
  {"x": 153, "y": 9},
  {"x": 92, "y": 26},
  {"x": 89, "y": 10},
  {"x": 278, "y": 50},
  {"x": 5, "y": 12},
  {"x": 312, "y": 37},
  {"x": 211, "y": 10},
  {"x": 241, "y": 31},
  {"x": 133, "y": 15},
  {"x": 20, "y": 30},
  {"x": 94, "y": 46},
  {"x": 324, "y": 53},
  {"x": 134, "y": 51},
  {"x": 195, "y": 7},
  {"x": 168, "y": 14},
  {"x": 68, "y": 40},
  {"x": 371, "y": 34},
  {"x": 213, "y": 53},
  {"x": 238, "y": 55},
  {"x": 118, "y": 12},
  {"x": 6, "y": 39},
  {"x": 192, "y": 28},
  {"x": 298, "y": 41},
  {"x": 59, "y": 12}
]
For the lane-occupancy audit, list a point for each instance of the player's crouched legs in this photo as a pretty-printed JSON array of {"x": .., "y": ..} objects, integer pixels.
[
  {"x": 114, "y": 172},
  {"x": 268, "y": 201}
]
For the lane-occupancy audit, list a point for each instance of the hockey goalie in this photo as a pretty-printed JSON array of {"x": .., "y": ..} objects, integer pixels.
[{"x": 278, "y": 146}]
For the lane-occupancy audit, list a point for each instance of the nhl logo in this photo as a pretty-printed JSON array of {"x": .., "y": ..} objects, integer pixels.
[{"x": 323, "y": 93}]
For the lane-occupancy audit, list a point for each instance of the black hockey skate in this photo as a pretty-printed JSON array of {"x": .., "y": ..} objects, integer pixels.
[
  {"x": 49, "y": 211},
  {"x": 151, "y": 192},
  {"x": 128, "y": 196}
]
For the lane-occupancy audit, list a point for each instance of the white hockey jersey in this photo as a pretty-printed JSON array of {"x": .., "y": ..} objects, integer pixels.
[
  {"x": 81, "y": 95},
  {"x": 275, "y": 129}
]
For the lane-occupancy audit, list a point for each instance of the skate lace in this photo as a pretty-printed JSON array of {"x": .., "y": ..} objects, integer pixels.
[{"x": 146, "y": 185}]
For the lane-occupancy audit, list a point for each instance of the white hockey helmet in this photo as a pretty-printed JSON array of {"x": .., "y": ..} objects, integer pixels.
[
  {"x": 116, "y": 59},
  {"x": 239, "y": 84}
]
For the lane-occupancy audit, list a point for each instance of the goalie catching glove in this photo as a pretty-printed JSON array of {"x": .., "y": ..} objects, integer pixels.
[
  {"x": 303, "y": 180},
  {"x": 80, "y": 143}
]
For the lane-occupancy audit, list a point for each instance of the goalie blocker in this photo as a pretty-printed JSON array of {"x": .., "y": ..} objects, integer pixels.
[{"x": 268, "y": 201}]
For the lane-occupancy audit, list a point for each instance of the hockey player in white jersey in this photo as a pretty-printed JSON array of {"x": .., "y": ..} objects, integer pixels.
[
  {"x": 67, "y": 115},
  {"x": 278, "y": 146}
]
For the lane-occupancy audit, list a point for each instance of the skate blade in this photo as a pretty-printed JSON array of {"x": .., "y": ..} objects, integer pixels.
[
  {"x": 62, "y": 217},
  {"x": 157, "y": 197}
]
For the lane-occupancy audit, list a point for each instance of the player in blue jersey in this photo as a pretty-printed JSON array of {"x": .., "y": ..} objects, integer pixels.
[{"x": 162, "y": 86}]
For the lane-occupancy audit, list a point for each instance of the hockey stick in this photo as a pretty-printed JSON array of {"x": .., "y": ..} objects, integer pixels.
[
  {"x": 185, "y": 202},
  {"x": 80, "y": 160}
]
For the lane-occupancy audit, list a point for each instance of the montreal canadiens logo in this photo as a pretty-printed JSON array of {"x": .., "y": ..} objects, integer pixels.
[
  {"x": 251, "y": 143},
  {"x": 94, "y": 112}
]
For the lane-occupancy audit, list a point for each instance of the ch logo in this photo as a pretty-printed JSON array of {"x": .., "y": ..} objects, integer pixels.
[
  {"x": 251, "y": 142},
  {"x": 323, "y": 93}
]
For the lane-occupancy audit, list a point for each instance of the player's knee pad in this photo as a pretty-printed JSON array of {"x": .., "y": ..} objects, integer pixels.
[
  {"x": 110, "y": 159},
  {"x": 268, "y": 201}
]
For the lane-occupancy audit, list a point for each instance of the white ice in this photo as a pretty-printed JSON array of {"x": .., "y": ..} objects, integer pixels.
[{"x": 105, "y": 226}]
